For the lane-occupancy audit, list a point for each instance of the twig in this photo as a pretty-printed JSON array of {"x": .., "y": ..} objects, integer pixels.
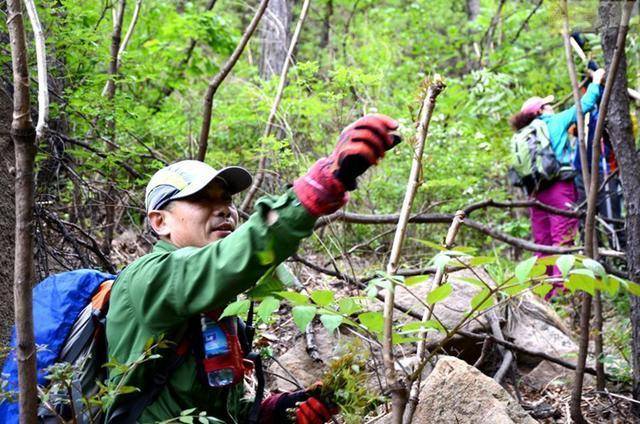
[
  {"x": 41, "y": 59},
  {"x": 220, "y": 77},
  {"x": 310, "y": 340},
  {"x": 259, "y": 176},
  {"x": 506, "y": 354},
  {"x": 129, "y": 33},
  {"x": 397, "y": 389},
  {"x": 576, "y": 94},
  {"x": 414, "y": 397},
  {"x": 526, "y": 21},
  {"x": 486, "y": 346}
]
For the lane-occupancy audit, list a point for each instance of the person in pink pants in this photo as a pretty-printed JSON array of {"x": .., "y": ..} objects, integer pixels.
[{"x": 551, "y": 229}]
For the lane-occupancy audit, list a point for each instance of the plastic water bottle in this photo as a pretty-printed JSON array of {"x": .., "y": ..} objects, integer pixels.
[{"x": 216, "y": 346}]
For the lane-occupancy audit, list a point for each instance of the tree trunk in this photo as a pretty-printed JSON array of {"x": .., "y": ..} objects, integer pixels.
[
  {"x": 473, "y": 9},
  {"x": 274, "y": 37},
  {"x": 23, "y": 135},
  {"x": 619, "y": 128}
]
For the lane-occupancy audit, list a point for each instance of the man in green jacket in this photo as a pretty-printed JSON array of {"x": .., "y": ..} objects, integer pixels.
[{"x": 201, "y": 263}]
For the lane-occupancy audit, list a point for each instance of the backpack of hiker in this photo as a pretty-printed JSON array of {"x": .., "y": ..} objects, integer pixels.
[
  {"x": 69, "y": 311},
  {"x": 533, "y": 162}
]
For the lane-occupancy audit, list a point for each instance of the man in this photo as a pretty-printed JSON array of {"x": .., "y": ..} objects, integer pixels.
[{"x": 201, "y": 263}]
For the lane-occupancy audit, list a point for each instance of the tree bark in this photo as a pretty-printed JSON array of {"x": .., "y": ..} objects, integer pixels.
[
  {"x": 274, "y": 38},
  {"x": 619, "y": 128},
  {"x": 23, "y": 135},
  {"x": 473, "y": 9}
]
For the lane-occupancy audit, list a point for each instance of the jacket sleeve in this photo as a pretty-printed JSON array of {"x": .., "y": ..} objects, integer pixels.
[
  {"x": 563, "y": 120},
  {"x": 189, "y": 281}
]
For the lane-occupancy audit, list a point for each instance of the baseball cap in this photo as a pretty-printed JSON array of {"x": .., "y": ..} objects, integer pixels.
[
  {"x": 534, "y": 104},
  {"x": 188, "y": 177}
]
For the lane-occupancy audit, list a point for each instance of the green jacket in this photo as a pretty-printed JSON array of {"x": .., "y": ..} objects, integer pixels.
[{"x": 160, "y": 291}]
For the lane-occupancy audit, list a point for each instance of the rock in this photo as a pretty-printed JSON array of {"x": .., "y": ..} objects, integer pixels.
[
  {"x": 299, "y": 363},
  {"x": 454, "y": 308},
  {"x": 456, "y": 392},
  {"x": 535, "y": 325}
]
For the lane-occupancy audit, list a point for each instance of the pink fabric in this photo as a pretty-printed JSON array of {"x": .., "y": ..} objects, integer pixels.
[{"x": 554, "y": 230}]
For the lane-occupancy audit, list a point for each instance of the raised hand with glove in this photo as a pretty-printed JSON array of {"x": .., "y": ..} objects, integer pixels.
[
  {"x": 323, "y": 189},
  {"x": 307, "y": 406}
]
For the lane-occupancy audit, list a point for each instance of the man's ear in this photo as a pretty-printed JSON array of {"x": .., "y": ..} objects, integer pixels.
[{"x": 158, "y": 222}]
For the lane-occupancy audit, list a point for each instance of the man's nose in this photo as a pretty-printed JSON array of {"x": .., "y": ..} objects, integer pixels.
[{"x": 222, "y": 212}]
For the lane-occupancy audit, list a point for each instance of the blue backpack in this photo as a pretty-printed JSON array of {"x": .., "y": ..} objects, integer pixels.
[{"x": 69, "y": 311}]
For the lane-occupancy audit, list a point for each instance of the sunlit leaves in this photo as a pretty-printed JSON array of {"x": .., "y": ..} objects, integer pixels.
[
  {"x": 439, "y": 294},
  {"x": 524, "y": 268},
  {"x": 239, "y": 307},
  {"x": 565, "y": 263},
  {"x": 302, "y": 316}
]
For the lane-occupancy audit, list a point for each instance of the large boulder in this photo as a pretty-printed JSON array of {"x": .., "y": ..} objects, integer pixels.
[
  {"x": 456, "y": 392},
  {"x": 535, "y": 325},
  {"x": 454, "y": 308}
]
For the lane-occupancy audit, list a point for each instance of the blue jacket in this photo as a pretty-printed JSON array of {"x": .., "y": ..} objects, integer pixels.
[{"x": 559, "y": 123}]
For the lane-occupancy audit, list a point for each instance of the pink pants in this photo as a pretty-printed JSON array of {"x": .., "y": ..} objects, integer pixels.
[{"x": 550, "y": 229}]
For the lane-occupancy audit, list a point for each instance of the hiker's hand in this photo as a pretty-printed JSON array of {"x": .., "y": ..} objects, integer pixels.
[
  {"x": 597, "y": 76},
  {"x": 303, "y": 406},
  {"x": 313, "y": 411},
  {"x": 362, "y": 144}
]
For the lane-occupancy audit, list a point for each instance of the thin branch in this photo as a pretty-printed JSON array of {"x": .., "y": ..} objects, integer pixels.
[
  {"x": 582, "y": 140},
  {"x": 220, "y": 77},
  {"x": 127, "y": 36},
  {"x": 414, "y": 397},
  {"x": 526, "y": 21},
  {"x": 259, "y": 176},
  {"x": 396, "y": 387},
  {"x": 41, "y": 59}
]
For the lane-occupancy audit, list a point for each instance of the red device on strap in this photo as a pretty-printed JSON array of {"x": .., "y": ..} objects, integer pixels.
[{"x": 223, "y": 357}]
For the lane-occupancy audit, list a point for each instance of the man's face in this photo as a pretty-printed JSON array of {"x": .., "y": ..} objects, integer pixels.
[{"x": 200, "y": 219}]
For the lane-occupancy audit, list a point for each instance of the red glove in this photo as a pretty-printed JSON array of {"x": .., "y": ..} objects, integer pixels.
[
  {"x": 312, "y": 411},
  {"x": 308, "y": 409},
  {"x": 323, "y": 189}
]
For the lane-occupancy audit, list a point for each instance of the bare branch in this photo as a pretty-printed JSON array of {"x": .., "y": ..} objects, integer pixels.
[
  {"x": 220, "y": 77},
  {"x": 41, "y": 58},
  {"x": 259, "y": 176}
]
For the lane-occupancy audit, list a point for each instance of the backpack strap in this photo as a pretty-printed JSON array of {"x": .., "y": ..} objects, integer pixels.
[{"x": 128, "y": 411}]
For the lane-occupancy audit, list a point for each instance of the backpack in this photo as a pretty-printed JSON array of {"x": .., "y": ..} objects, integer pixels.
[
  {"x": 69, "y": 311},
  {"x": 533, "y": 162}
]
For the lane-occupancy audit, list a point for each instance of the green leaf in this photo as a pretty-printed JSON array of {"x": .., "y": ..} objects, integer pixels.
[
  {"x": 473, "y": 281},
  {"x": 322, "y": 297},
  {"x": 416, "y": 326},
  {"x": 479, "y": 302},
  {"x": 594, "y": 266},
  {"x": 523, "y": 269},
  {"x": 542, "y": 289},
  {"x": 584, "y": 281},
  {"x": 400, "y": 339},
  {"x": 266, "y": 286},
  {"x": 188, "y": 420},
  {"x": 565, "y": 263},
  {"x": 416, "y": 279},
  {"x": 481, "y": 260},
  {"x": 430, "y": 244},
  {"x": 267, "y": 307},
  {"x": 372, "y": 320},
  {"x": 440, "y": 261},
  {"x": 331, "y": 322},
  {"x": 439, "y": 293},
  {"x": 285, "y": 276},
  {"x": 348, "y": 306},
  {"x": 294, "y": 297},
  {"x": 538, "y": 270},
  {"x": 188, "y": 411},
  {"x": 515, "y": 289},
  {"x": 612, "y": 285},
  {"x": 302, "y": 316},
  {"x": 239, "y": 307},
  {"x": 632, "y": 287}
]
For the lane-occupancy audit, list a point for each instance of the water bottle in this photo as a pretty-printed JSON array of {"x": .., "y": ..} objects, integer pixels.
[{"x": 216, "y": 349}]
